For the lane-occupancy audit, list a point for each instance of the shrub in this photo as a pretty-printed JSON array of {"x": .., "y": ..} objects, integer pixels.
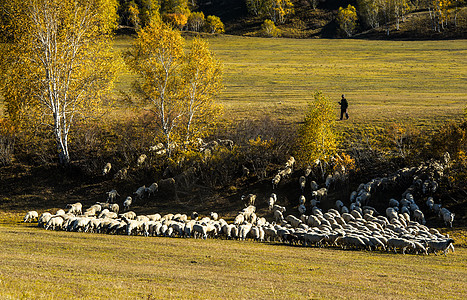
[{"x": 269, "y": 29}]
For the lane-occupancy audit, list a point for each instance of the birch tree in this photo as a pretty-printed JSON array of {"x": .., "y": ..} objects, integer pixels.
[
  {"x": 63, "y": 49},
  {"x": 178, "y": 87}
]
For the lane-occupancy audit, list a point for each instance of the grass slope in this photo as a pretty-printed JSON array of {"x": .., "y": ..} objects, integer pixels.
[
  {"x": 385, "y": 81},
  {"x": 39, "y": 264}
]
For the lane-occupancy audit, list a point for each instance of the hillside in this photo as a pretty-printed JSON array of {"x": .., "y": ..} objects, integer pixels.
[{"x": 309, "y": 23}]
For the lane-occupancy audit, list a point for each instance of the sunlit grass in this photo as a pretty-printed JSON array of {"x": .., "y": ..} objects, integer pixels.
[{"x": 421, "y": 82}]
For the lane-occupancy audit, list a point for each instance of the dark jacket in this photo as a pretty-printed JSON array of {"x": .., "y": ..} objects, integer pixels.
[{"x": 344, "y": 104}]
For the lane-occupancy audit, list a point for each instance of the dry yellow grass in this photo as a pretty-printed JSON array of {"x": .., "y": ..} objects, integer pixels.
[{"x": 39, "y": 264}]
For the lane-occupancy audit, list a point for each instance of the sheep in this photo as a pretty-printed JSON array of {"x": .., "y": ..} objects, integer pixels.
[
  {"x": 214, "y": 216},
  {"x": 111, "y": 196},
  {"x": 393, "y": 203},
  {"x": 199, "y": 229},
  {"x": 239, "y": 219},
  {"x": 279, "y": 208},
  {"x": 399, "y": 243},
  {"x": 419, "y": 217},
  {"x": 301, "y": 209},
  {"x": 302, "y": 182},
  {"x": 339, "y": 205},
  {"x": 130, "y": 215},
  {"x": 314, "y": 186},
  {"x": 56, "y": 222},
  {"x": 106, "y": 169},
  {"x": 275, "y": 181},
  {"x": 308, "y": 171},
  {"x": 248, "y": 200},
  {"x": 271, "y": 201},
  {"x": 301, "y": 200},
  {"x": 31, "y": 216},
  {"x": 244, "y": 230},
  {"x": 447, "y": 216},
  {"x": 152, "y": 189},
  {"x": 114, "y": 208},
  {"x": 391, "y": 213},
  {"x": 75, "y": 208},
  {"x": 140, "y": 192},
  {"x": 290, "y": 162},
  {"x": 294, "y": 221},
  {"x": 430, "y": 202},
  {"x": 444, "y": 246},
  {"x": 127, "y": 203},
  {"x": 278, "y": 217},
  {"x": 194, "y": 215},
  {"x": 320, "y": 194},
  {"x": 43, "y": 219},
  {"x": 314, "y": 202},
  {"x": 286, "y": 172},
  {"x": 141, "y": 159}
]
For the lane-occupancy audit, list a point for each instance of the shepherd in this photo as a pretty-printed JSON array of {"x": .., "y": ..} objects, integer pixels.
[{"x": 344, "y": 104}]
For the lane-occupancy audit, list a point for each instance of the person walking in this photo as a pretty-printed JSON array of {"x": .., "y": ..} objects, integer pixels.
[{"x": 344, "y": 105}]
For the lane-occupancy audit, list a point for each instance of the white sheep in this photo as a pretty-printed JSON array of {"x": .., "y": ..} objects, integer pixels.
[
  {"x": 320, "y": 194},
  {"x": 127, "y": 203},
  {"x": 56, "y": 222},
  {"x": 43, "y": 219},
  {"x": 75, "y": 208},
  {"x": 290, "y": 162},
  {"x": 314, "y": 186},
  {"x": 106, "y": 169},
  {"x": 31, "y": 216},
  {"x": 214, "y": 216}
]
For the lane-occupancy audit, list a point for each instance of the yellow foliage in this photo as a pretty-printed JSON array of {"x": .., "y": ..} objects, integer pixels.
[
  {"x": 270, "y": 29},
  {"x": 347, "y": 19},
  {"x": 214, "y": 24}
]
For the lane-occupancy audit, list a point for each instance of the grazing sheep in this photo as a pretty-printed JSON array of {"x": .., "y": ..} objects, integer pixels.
[
  {"x": 140, "y": 192},
  {"x": 202, "y": 230},
  {"x": 275, "y": 181},
  {"x": 106, "y": 169},
  {"x": 114, "y": 208},
  {"x": 399, "y": 243},
  {"x": 302, "y": 182},
  {"x": 278, "y": 217},
  {"x": 75, "y": 208},
  {"x": 31, "y": 216},
  {"x": 141, "y": 160},
  {"x": 339, "y": 205},
  {"x": 127, "y": 203},
  {"x": 329, "y": 181},
  {"x": 43, "y": 219},
  {"x": 444, "y": 246},
  {"x": 286, "y": 172},
  {"x": 56, "y": 222},
  {"x": 111, "y": 196},
  {"x": 248, "y": 200},
  {"x": 393, "y": 203}
]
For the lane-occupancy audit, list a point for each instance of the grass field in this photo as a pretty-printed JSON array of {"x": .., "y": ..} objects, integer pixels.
[
  {"x": 39, "y": 264},
  {"x": 421, "y": 82}
]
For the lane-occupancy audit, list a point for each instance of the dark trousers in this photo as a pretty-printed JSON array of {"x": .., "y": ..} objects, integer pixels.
[{"x": 344, "y": 112}]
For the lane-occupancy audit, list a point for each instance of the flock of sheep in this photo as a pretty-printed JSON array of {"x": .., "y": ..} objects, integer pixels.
[{"x": 357, "y": 226}]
